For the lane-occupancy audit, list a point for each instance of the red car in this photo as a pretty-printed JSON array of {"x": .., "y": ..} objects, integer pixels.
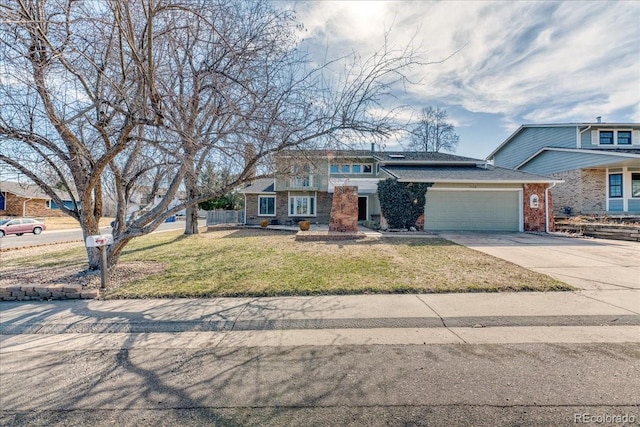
[{"x": 19, "y": 226}]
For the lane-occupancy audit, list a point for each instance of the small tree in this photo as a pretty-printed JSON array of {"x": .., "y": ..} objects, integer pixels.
[
  {"x": 402, "y": 203},
  {"x": 433, "y": 132}
]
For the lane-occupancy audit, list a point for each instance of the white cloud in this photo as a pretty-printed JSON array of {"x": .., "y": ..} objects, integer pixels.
[{"x": 537, "y": 61}]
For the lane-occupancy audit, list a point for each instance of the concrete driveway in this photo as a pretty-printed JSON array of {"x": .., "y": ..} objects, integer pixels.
[{"x": 588, "y": 264}]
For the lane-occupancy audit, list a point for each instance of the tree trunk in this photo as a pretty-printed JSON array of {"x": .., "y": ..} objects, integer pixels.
[
  {"x": 191, "y": 185},
  {"x": 191, "y": 226}
]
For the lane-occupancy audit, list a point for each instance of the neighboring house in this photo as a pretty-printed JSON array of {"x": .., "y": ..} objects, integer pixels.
[
  {"x": 142, "y": 199},
  {"x": 598, "y": 162},
  {"x": 467, "y": 194},
  {"x": 17, "y": 199}
]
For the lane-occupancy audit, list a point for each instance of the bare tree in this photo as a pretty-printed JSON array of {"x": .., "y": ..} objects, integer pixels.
[
  {"x": 432, "y": 132},
  {"x": 139, "y": 95}
]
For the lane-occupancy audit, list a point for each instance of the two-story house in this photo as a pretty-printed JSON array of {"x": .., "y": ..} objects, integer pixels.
[
  {"x": 466, "y": 194},
  {"x": 598, "y": 162}
]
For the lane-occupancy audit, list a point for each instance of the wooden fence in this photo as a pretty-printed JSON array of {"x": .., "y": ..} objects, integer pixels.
[{"x": 224, "y": 217}]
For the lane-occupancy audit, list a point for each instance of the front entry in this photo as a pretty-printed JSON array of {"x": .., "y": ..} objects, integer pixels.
[{"x": 362, "y": 208}]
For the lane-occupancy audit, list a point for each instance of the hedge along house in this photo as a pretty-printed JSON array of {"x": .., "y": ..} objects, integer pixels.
[
  {"x": 465, "y": 193},
  {"x": 599, "y": 164},
  {"x": 17, "y": 199}
]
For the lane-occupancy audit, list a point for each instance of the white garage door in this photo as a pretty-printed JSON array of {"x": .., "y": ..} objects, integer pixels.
[{"x": 472, "y": 210}]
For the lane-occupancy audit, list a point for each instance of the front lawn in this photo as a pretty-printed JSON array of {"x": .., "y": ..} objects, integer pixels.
[{"x": 263, "y": 262}]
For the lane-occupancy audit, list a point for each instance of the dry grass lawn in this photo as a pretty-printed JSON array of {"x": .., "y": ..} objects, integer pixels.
[{"x": 263, "y": 262}]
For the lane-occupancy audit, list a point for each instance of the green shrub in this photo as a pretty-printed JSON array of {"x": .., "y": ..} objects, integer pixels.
[{"x": 402, "y": 203}]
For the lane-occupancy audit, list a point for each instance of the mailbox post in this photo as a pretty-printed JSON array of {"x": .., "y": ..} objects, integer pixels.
[{"x": 101, "y": 241}]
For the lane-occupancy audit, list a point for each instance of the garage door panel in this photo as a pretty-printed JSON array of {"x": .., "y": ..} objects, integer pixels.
[{"x": 472, "y": 210}]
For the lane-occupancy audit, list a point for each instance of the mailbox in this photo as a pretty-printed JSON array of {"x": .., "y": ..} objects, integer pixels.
[{"x": 99, "y": 240}]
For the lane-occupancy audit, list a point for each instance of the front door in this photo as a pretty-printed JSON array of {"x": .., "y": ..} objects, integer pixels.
[{"x": 362, "y": 208}]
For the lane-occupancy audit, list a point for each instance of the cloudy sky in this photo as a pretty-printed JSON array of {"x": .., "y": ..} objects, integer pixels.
[{"x": 509, "y": 62}]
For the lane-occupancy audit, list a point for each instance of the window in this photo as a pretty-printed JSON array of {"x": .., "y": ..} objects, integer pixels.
[
  {"x": 302, "y": 181},
  {"x": 624, "y": 137},
  {"x": 2, "y": 202},
  {"x": 266, "y": 205},
  {"x": 47, "y": 204},
  {"x": 606, "y": 137},
  {"x": 615, "y": 185},
  {"x": 635, "y": 185},
  {"x": 354, "y": 168},
  {"x": 302, "y": 206}
]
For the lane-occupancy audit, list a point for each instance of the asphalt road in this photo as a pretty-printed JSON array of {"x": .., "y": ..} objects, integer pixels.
[
  {"x": 59, "y": 236},
  {"x": 448, "y": 385}
]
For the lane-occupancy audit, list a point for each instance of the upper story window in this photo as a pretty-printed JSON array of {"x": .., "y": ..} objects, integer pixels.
[
  {"x": 606, "y": 137},
  {"x": 624, "y": 137},
  {"x": 611, "y": 137},
  {"x": 302, "y": 176},
  {"x": 351, "y": 168}
]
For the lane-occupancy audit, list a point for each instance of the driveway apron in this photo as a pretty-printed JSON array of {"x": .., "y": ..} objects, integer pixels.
[{"x": 595, "y": 266}]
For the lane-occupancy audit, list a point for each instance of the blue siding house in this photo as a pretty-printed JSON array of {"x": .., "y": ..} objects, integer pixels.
[{"x": 598, "y": 162}]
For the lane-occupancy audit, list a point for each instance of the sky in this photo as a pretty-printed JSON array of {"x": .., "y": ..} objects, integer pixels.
[{"x": 497, "y": 65}]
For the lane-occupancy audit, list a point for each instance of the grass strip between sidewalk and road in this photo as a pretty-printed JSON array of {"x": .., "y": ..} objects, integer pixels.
[{"x": 248, "y": 262}]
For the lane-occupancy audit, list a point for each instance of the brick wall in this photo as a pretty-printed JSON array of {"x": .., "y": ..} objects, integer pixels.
[
  {"x": 594, "y": 190},
  {"x": 33, "y": 207},
  {"x": 535, "y": 218},
  {"x": 583, "y": 191},
  {"x": 323, "y": 209}
]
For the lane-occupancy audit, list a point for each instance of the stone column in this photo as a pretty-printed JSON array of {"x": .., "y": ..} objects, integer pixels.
[{"x": 344, "y": 210}]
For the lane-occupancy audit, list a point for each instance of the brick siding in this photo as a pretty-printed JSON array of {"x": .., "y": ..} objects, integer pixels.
[
  {"x": 323, "y": 209},
  {"x": 535, "y": 218},
  {"x": 583, "y": 191},
  {"x": 33, "y": 207}
]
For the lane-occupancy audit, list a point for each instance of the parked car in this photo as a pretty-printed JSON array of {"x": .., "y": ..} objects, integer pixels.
[{"x": 19, "y": 226}]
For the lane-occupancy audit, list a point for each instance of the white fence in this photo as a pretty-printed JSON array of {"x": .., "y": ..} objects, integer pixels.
[{"x": 225, "y": 217}]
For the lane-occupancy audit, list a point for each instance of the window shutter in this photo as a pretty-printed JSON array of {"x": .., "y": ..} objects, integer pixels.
[
  {"x": 594, "y": 137},
  {"x": 635, "y": 137}
]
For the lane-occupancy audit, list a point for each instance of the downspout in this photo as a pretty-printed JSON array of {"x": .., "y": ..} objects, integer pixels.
[
  {"x": 546, "y": 206},
  {"x": 579, "y": 136},
  {"x": 245, "y": 208},
  {"x": 24, "y": 207}
]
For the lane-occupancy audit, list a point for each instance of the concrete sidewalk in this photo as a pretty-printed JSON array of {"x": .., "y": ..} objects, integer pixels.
[{"x": 320, "y": 320}]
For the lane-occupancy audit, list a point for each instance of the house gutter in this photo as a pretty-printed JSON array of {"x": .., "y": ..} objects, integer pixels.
[{"x": 546, "y": 205}]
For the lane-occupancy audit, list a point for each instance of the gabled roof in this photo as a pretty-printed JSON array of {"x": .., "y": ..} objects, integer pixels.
[
  {"x": 29, "y": 191},
  {"x": 259, "y": 186},
  {"x": 560, "y": 125},
  {"x": 485, "y": 174}
]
